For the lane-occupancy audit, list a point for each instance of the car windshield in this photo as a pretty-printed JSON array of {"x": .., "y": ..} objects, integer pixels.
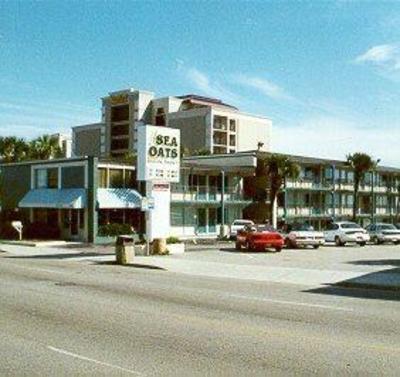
[
  {"x": 350, "y": 226},
  {"x": 242, "y": 222},
  {"x": 387, "y": 227},
  {"x": 263, "y": 228},
  {"x": 303, "y": 227}
]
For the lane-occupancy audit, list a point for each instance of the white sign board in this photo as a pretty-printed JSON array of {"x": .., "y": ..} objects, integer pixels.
[
  {"x": 17, "y": 225},
  {"x": 158, "y": 154}
]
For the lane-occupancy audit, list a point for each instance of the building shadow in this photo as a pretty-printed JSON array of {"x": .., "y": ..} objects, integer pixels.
[
  {"x": 59, "y": 256},
  {"x": 380, "y": 285}
]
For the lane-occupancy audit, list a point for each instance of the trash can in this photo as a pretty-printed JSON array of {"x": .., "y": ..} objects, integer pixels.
[
  {"x": 124, "y": 249},
  {"x": 160, "y": 246}
]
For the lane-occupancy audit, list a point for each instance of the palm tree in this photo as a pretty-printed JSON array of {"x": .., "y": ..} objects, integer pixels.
[
  {"x": 271, "y": 174},
  {"x": 360, "y": 163},
  {"x": 13, "y": 149},
  {"x": 45, "y": 147}
]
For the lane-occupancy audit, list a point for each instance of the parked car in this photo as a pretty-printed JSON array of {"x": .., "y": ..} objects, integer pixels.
[
  {"x": 259, "y": 238},
  {"x": 303, "y": 235},
  {"x": 381, "y": 233},
  {"x": 345, "y": 231},
  {"x": 238, "y": 225}
]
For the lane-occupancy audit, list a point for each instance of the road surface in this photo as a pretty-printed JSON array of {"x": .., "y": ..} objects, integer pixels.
[{"x": 64, "y": 318}]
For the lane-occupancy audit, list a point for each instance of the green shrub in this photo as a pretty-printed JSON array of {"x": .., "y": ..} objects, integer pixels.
[
  {"x": 173, "y": 239},
  {"x": 113, "y": 230}
]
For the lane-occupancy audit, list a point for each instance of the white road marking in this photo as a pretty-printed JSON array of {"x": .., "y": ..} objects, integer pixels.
[
  {"x": 292, "y": 303},
  {"x": 64, "y": 352}
]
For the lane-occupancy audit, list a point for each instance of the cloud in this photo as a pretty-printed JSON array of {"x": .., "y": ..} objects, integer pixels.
[
  {"x": 262, "y": 85},
  {"x": 213, "y": 88},
  {"x": 334, "y": 138},
  {"x": 385, "y": 56}
]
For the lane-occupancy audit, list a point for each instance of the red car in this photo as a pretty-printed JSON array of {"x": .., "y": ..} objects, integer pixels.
[{"x": 259, "y": 238}]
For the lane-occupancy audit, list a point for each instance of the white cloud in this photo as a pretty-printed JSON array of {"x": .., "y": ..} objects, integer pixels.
[
  {"x": 213, "y": 88},
  {"x": 264, "y": 86},
  {"x": 334, "y": 138},
  {"x": 386, "y": 56}
]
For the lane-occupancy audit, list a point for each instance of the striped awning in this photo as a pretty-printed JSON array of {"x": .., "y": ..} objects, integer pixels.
[
  {"x": 54, "y": 198},
  {"x": 118, "y": 198}
]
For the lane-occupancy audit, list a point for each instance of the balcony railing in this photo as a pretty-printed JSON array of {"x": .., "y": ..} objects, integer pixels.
[{"x": 183, "y": 193}]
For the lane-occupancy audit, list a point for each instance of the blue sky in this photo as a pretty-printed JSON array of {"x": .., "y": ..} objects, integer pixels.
[{"x": 326, "y": 73}]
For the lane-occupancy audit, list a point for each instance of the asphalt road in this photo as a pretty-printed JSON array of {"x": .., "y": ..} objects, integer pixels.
[{"x": 63, "y": 318}]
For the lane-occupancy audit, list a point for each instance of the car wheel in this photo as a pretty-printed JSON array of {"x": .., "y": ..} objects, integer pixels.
[
  {"x": 278, "y": 249},
  {"x": 397, "y": 242},
  {"x": 362, "y": 244},
  {"x": 316, "y": 246},
  {"x": 376, "y": 241},
  {"x": 338, "y": 242}
]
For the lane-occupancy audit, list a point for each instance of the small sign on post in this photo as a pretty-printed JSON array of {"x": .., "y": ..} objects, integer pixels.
[{"x": 17, "y": 225}]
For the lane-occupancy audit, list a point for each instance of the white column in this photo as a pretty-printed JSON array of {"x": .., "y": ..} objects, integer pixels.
[{"x": 275, "y": 214}]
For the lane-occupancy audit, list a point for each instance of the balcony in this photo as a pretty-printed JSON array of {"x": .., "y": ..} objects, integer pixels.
[
  {"x": 205, "y": 194},
  {"x": 308, "y": 184}
]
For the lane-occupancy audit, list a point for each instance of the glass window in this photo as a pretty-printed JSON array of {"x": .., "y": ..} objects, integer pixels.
[
  {"x": 177, "y": 216},
  {"x": 41, "y": 178},
  {"x": 130, "y": 179},
  {"x": 120, "y": 113},
  {"x": 232, "y": 140},
  {"x": 52, "y": 178},
  {"x": 116, "y": 178},
  {"x": 232, "y": 125},
  {"x": 103, "y": 178}
]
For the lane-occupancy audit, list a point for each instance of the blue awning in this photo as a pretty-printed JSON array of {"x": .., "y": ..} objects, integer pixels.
[
  {"x": 54, "y": 198},
  {"x": 118, "y": 198}
]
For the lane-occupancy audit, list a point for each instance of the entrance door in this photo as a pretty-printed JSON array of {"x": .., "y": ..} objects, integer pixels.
[
  {"x": 201, "y": 220},
  {"x": 74, "y": 225}
]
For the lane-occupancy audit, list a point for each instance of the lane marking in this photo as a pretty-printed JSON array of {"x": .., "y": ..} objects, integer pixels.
[
  {"x": 67, "y": 353},
  {"x": 283, "y": 302}
]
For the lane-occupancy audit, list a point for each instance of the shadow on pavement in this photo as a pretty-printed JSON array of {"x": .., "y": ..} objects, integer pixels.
[
  {"x": 135, "y": 265},
  {"x": 377, "y": 262},
  {"x": 245, "y": 251},
  {"x": 381, "y": 285},
  {"x": 59, "y": 256}
]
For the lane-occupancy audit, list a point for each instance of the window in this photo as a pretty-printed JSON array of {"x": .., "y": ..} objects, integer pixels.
[
  {"x": 103, "y": 178},
  {"x": 232, "y": 125},
  {"x": 219, "y": 150},
  {"x": 160, "y": 117},
  {"x": 46, "y": 178},
  {"x": 116, "y": 178},
  {"x": 120, "y": 143},
  {"x": 232, "y": 140},
  {"x": 220, "y": 123},
  {"x": 73, "y": 177},
  {"x": 120, "y": 130},
  {"x": 41, "y": 178},
  {"x": 130, "y": 179},
  {"x": 120, "y": 113}
]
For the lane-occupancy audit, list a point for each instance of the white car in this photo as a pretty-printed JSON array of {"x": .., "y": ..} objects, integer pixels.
[
  {"x": 302, "y": 235},
  {"x": 238, "y": 225},
  {"x": 345, "y": 231},
  {"x": 381, "y": 233}
]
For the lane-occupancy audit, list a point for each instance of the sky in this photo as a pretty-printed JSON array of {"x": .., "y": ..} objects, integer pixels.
[{"x": 327, "y": 73}]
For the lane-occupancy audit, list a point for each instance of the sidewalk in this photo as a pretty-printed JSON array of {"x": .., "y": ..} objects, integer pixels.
[{"x": 376, "y": 276}]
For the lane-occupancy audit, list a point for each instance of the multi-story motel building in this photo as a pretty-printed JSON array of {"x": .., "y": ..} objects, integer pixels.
[
  {"x": 206, "y": 124},
  {"x": 83, "y": 193},
  {"x": 80, "y": 195}
]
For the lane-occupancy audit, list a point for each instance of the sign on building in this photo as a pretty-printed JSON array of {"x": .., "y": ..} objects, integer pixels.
[{"x": 158, "y": 154}]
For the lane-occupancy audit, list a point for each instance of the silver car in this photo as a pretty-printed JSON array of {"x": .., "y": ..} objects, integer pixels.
[{"x": 381, "y": 233}]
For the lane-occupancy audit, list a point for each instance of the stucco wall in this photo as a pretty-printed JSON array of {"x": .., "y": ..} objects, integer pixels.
[
  {"x": 15, "y": 182},
  {"x": 87, "y": 142},
  {"x": 192, "y": 127}
]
